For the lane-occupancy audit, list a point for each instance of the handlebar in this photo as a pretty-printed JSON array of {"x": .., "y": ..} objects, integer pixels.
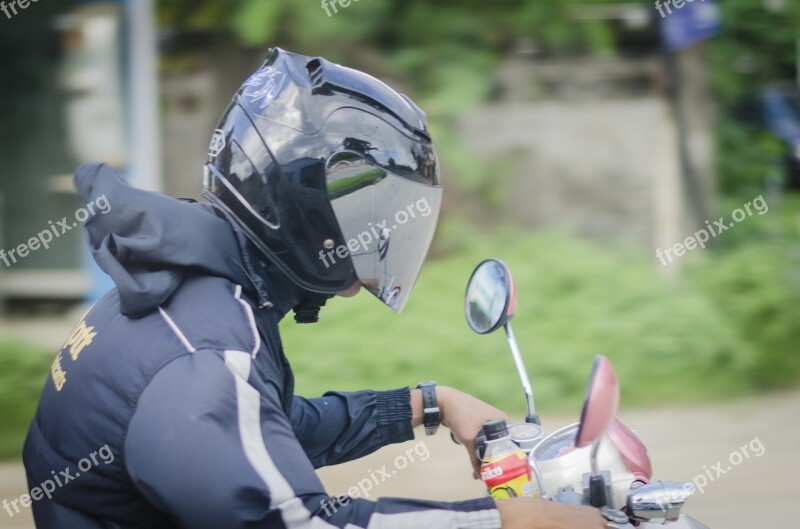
[
  {"x": 480, "y": 442},
  {"x": 616, "y": 519}
]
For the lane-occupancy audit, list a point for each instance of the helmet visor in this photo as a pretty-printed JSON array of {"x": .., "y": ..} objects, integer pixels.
[{"x": 387, "y": 222}]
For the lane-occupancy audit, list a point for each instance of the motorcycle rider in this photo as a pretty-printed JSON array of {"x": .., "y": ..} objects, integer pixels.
[{"x": 179, "y": 372}]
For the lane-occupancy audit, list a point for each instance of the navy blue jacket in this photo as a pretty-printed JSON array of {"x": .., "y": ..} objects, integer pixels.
[{"x": 171, "y": 403}]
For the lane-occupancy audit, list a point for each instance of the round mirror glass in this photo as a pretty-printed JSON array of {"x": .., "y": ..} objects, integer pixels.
[{"x": 490, "y": 298}]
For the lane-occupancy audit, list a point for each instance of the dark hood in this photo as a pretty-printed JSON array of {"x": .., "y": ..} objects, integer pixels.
[{"x": 148, "y": 243}]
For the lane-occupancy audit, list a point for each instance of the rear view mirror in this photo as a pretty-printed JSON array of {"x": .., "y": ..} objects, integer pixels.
[
  {"x": 600, "y": 405},
  {"x": 491, "y": 297},
  {"x": 599, "y": 410}
]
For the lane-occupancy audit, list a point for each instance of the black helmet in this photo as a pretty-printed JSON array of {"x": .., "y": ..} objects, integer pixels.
[{"x": 330, "y": 173}]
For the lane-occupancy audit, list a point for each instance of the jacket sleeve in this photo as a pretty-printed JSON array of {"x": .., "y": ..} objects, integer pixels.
[
  {"x": 340, "y": 427},
  {"x": 210, "y": 450}
]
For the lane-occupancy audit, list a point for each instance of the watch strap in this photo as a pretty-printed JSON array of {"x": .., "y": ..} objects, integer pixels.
[{"x": 431, "y": 415}]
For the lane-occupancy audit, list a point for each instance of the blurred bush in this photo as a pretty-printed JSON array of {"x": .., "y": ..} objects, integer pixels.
[
  {"x": 749, "y": 157},
  {"x": 756, "y": 289},
  {"x": 757, "y": 46},
  {"x": 23, "y": 370},
  {"x": 753, "y": 280},
  {"x": 728, "y": 327}
]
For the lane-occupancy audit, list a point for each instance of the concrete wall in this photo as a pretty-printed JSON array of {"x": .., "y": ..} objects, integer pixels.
[
  {"x": 602, "y": 168},
  {"x": 192, "y": 103},
  {"x": 615, "y": 147}
]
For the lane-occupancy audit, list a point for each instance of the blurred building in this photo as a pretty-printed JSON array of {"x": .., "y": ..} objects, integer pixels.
[
  {"x": 79, "y": 85},
  {"x": 612, "y": 146}
]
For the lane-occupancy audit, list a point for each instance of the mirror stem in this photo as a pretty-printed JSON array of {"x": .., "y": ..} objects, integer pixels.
[
  {"x": 523, "y": 375},
  {"x": 595, "y": 450},
  {"x": 597, "y": 485}
]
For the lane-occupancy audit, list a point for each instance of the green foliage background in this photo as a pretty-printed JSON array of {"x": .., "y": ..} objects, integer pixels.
[
  {"x": 23, "y": 369},
  {"x": 726, "y": 324},
  {"x": 687, "y": 338}
]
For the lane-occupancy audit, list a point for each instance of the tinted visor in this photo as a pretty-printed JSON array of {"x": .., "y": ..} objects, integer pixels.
[{"x": 387, "y": 222}]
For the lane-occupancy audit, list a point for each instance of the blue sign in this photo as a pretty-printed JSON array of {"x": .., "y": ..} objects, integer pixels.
[{"x": 687, "y": 22}]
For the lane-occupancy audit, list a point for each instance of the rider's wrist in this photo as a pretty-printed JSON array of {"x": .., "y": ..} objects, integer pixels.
[
  {"x": 431, "y": 411},
  {"x": 445, "y": 396}
]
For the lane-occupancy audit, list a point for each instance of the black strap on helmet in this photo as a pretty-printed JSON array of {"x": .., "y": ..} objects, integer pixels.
[{"x": 307, "y": 310}]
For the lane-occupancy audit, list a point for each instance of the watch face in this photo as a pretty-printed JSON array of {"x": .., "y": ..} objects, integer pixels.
[{"x": 426, "y": 384}]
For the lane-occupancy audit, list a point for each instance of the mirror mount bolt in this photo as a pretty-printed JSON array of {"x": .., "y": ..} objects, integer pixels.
[{"x": 533, "y": 419}]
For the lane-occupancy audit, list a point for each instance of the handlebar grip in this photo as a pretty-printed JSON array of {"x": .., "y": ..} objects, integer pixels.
[{"x": 480, "y": 444}]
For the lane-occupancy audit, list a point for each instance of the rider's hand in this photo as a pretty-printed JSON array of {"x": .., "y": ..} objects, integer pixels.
[
  {"x": 530, "y": 513},
  {"x": 464, "y": 415}
]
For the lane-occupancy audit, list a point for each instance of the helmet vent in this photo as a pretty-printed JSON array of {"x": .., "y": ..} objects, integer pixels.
[
  {"x": 314, "y": 68},
  {"x": 422, "y": 134}
]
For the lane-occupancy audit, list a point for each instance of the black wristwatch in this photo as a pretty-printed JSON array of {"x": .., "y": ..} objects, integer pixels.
[{"x": 430, "y": 405}]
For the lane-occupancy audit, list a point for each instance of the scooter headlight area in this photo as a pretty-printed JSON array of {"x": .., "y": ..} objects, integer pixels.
[
  {"x": 596, "y": 461},
  {"x": 563, "y": 466}
]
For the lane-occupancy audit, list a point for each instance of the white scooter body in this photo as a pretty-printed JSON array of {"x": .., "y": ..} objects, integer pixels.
[{"x": 568, "y": 470}]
